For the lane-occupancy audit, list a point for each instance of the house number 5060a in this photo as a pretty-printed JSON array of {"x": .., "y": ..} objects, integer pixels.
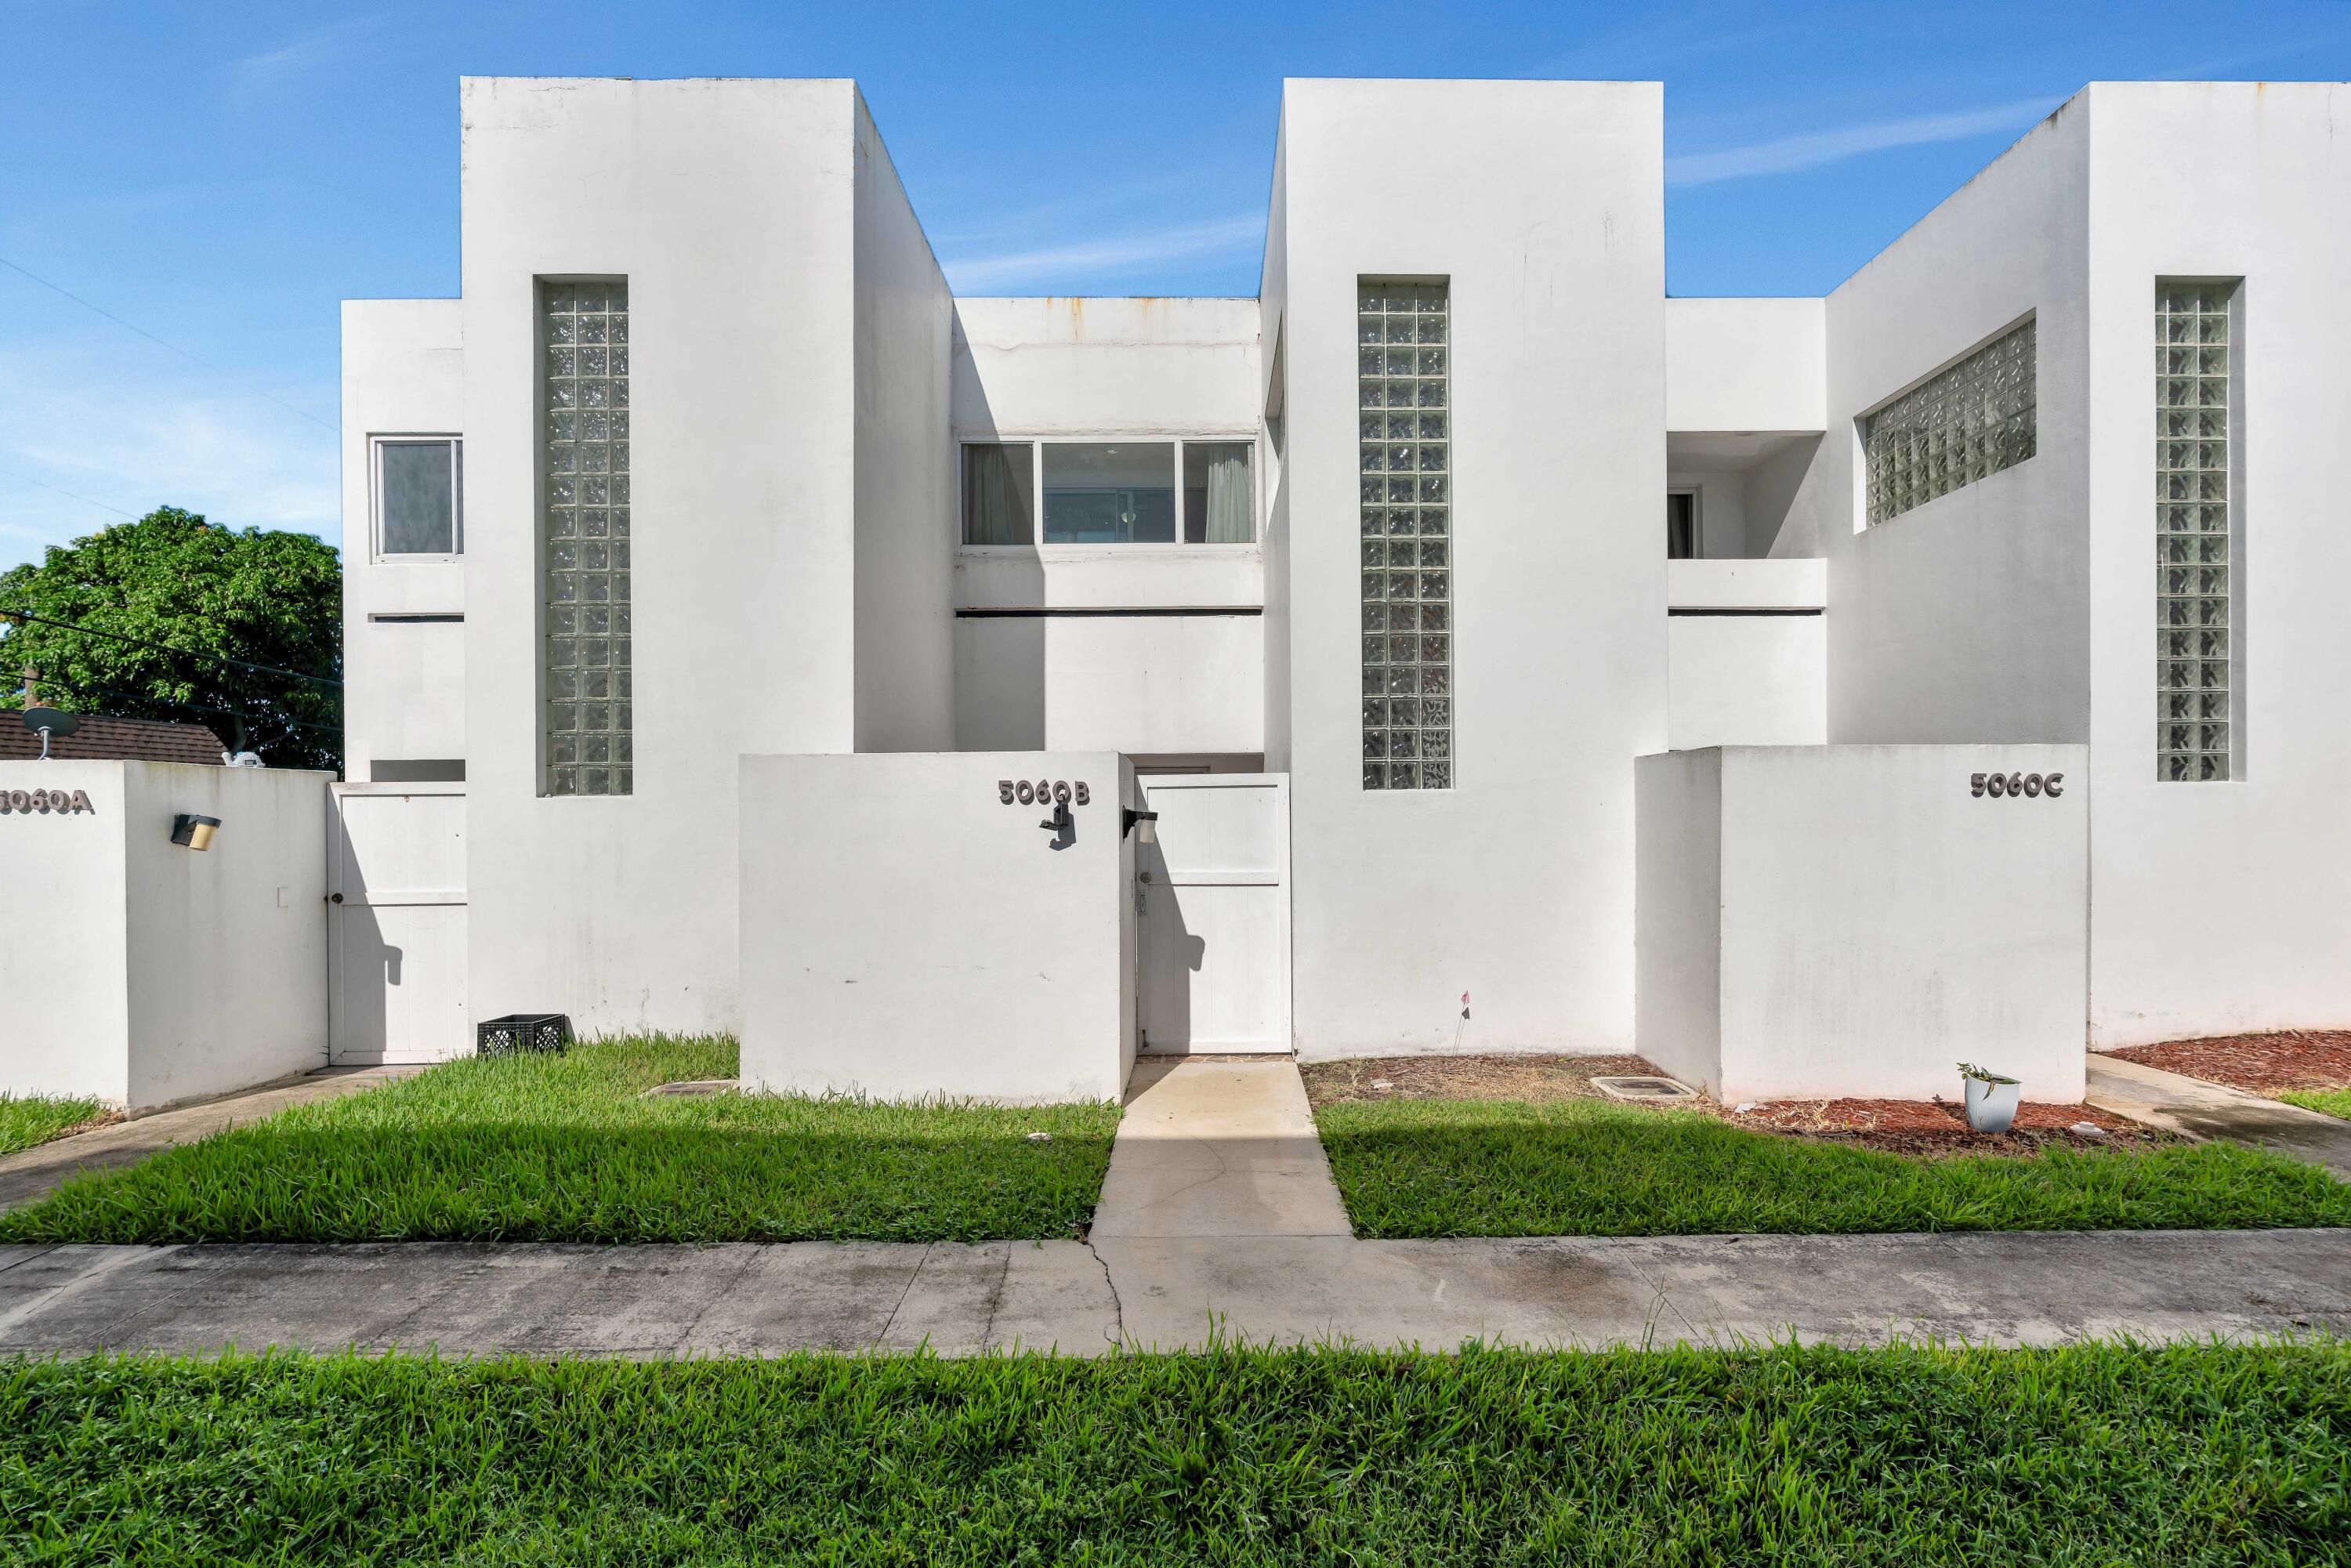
[{"x": 2050, "y": 784}]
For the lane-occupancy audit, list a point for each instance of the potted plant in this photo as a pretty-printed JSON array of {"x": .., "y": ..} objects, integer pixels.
[{"x": 1991, "y": 1098}]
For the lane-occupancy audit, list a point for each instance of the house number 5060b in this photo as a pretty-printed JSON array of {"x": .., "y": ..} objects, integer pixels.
[
  {"x": 1047, "y": 791},
  {"x": 2050, "y": 784}
]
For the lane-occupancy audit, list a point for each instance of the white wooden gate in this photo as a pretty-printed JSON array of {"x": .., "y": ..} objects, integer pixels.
[
  {"x": 396, "y": 922},
  {"x": 1216, "y": 913}
]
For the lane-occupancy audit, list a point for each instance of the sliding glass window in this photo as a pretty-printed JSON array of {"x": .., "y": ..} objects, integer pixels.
[
  {"x": 1108, "y": 492},
  {"x": 999, "y": 504}
]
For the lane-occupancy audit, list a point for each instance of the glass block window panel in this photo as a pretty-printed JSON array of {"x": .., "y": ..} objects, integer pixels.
[
  {"x": 1964, "y": 424},
  {"x": 1405, "y": 445},
  {"x": 584, "y": 505},
  {"x": 2195, "y": 665},
  {"x": 419, "y": 496}
]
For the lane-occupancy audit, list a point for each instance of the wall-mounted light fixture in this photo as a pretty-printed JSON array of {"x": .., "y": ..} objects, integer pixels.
[
  {"x": 1143, "y": 825},
  {"x": 193, "y": 832}
]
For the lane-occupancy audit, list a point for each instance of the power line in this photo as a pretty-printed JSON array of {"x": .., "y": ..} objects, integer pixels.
[
  {"x": 19, "y": 617},
  {"x": 61, "y": 490},
  {"x": 281, "y": 721},
  {"x": 197, "y": 358}
]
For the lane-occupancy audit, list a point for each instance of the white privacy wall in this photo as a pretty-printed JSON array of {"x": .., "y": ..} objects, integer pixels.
[
  {"x": 1747, "y": 653},
  {"x": 2219, "y": 907},
  {"x": 1966, "y": 618},
  {"x": 906, "y": 934},
  {"x": 65, "y": 966},
  {"x": 144, "y": 973},
  {"x": 1818, "y": 922},
  {"x": 404, "y": 682},
  {"x": 732, "y": 208},
  {"x": 1169, "y": 655},
  {"x": 905, "y": 467},
  {"x": 1543, "y": 203}
]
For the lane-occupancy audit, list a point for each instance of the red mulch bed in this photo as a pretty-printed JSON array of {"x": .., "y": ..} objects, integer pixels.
[
  {"x": 1938, "y": 1127},
  {"x": 1898, "y": 1127},
  {"x": 2261, "y": 1064}
]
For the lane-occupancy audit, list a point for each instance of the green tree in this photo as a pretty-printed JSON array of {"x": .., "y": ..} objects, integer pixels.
[{"x": 162, "y": 605}]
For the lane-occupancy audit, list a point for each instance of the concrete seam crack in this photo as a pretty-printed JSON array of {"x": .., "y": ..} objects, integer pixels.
[
  {"x": 1117, "y": 1302},
  {"x": 883, "y": 1337}
]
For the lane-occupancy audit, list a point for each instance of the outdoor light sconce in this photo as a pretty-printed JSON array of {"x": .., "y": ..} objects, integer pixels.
[
  {"x": 193, "y": 832},
  {"x": 1143, "y": 825}
]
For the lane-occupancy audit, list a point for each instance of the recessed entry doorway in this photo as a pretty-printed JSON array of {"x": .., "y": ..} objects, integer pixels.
[{"x": 1214, "y": 893}]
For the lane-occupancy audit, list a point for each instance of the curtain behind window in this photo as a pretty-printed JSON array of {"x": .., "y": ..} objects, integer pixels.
[
  {"x": 1229, "y": 492},
  {"x": 995, "y": 494}
]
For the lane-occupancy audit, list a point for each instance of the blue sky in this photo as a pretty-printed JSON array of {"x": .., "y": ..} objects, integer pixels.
[{"x": 219, "y": 176}]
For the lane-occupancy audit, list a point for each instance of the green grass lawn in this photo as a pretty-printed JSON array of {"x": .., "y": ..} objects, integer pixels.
[
  {"x": 36, "y": 1119},
  {"x": 563, "y": 1148},
  {"x": 1583, "y": 1167},
  {"x": 2334, "y": 1102},
  {"x": 1911, "y": 1454}
]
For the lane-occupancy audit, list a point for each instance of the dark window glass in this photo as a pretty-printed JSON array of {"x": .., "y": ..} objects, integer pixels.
[
  {"x": 1110, "y": 493},
  {"x": 420, "y": 497},
  {"x": 1681, "y": 525}
]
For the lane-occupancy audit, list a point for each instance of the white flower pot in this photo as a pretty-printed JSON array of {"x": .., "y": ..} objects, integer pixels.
[{"x": 1991, "y": 1106}]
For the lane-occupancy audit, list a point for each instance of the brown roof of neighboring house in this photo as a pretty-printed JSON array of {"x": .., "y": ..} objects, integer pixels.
[{"x": 101, "y": 738}]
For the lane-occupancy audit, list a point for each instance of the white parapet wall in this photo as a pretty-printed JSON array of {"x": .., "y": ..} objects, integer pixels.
[
  {"x": 908, "y": 933},
  {"x": 1819, "y": 922},
  {"x": 144, "y": 973}
]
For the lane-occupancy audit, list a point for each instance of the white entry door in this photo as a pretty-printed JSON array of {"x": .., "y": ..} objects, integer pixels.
[
  {"x": 1216, "y": 913},
  {"x": 396, "y": 924}
]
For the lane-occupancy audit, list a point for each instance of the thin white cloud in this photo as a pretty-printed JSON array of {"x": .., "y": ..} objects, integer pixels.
[
  {"x": 309, "y": 54},
  {"x": 85, "y": 428},
  {"x": 1812, "y": 149},
  {"x": 1111, "y": 254}
]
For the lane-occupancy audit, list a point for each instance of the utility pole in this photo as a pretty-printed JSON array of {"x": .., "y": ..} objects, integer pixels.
[{"x": 32, "y": 687}]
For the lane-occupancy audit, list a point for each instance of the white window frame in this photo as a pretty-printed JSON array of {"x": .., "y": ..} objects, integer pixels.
[
  {"x": 1175, "y": 441},
  {"x": 376, "y": 442}
]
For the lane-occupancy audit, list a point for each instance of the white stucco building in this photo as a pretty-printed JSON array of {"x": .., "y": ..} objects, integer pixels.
[{"x": 1379, "y": 587}]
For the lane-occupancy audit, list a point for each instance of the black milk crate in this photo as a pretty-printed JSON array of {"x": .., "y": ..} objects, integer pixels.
[{"x": 518, "y": 1032}]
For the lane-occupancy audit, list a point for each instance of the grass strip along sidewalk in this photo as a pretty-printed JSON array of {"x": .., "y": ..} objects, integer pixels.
[
  {"x": 1909, "y": 1455},
  {"x": 1581, "y": 1167},
  {"x": 36, "y": 1119},
  {"x": 565, "y": 1149},
  {"x": 2332, "y": 1102}
]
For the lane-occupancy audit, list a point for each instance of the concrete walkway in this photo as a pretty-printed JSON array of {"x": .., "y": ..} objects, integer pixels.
[
  {"x": 1218, "y": 1217},
  {"x": 961, "y": 1300},
  {"x": 34, "y": 1173},
  {"x": 2205, "y": 1110},
  {"x": 1214, "y": 1146}
]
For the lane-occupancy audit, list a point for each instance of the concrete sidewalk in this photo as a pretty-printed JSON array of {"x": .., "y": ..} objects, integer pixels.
[
  {"x": 1218, "y": 1217},
  {"x": 2205, "y": 1110},
  {"x": 1172, "y": 1293},
  {"x": 33, "y": 1173}
]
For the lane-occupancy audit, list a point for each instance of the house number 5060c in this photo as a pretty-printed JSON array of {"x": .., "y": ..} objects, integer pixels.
[{"x": 2050, "y": 784}]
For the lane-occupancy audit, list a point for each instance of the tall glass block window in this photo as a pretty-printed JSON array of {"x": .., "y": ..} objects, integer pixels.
[
  {"x": 1405, "y": 460},
  {"x": 2195, "y": 664},
  {"x": 1963, "y": 424},
  {"x": 584, "y": 508}
]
